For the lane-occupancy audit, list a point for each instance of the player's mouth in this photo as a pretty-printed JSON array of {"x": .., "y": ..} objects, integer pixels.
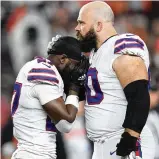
[{"x": 79, "y": 36}]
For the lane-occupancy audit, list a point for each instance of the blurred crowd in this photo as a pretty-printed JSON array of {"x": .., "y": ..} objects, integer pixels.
[{"x": 26, "y": 29}]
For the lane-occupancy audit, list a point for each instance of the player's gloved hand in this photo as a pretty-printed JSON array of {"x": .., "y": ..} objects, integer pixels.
[
  {"x": 126, "y": 145},
  {"x": 78, "y": 75}
]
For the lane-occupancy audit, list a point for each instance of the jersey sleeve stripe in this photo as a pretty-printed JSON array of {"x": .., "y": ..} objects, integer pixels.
[
  {"x": 43, "y": 78},
  {"x": 42, "y": 74},
  {"x": 125, "y": 40},
  {"x": 127, "y": 46},
  {"x": 42, "y": 70}
]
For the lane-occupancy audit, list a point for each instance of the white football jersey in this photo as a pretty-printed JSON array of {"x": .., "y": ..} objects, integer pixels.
[
  {"x": 37, "y": 83},
  {"x": 105, "y": 100}
]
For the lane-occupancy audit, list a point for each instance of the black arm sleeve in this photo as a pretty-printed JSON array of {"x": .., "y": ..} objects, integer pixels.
[{"x": 138, "y": 98}]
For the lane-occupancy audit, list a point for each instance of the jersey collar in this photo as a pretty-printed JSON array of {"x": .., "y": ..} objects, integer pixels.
[{"x": 109, "y": 38}]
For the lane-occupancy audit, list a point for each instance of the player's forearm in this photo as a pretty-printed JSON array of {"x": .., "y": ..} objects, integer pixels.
[
  {"x": 72, "y": 104},
  {"x": 72, "y": 111},
  {"x": 132, "y": 132},
  {"x": 58, "y": 110},
  {"x": 137, "y": 111}
]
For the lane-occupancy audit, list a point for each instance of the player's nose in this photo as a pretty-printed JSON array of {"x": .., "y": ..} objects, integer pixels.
[{"x": 77, "y": 28}]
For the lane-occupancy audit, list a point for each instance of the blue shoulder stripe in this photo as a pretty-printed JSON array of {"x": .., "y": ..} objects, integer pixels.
[
  {"x": 43, "y": 78},
  {"x": 42, "y": 70},
  {"x": 129, "y": 40},
  {"x": 123, "y": 46}
]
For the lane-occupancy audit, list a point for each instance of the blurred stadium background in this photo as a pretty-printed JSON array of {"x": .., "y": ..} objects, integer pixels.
[{"x": 26, "y": 29}]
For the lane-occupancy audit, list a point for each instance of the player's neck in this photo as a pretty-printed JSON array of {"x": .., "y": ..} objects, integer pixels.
[{"x": 105, "y": 36}]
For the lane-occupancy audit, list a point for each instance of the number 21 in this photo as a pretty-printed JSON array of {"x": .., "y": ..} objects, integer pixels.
[
  {"x": 15, "y": 102},
  {"x": 15, "y": 97}
]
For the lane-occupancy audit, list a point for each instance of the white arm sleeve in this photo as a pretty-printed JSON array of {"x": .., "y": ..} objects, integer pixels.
[
  {"x": 45, "y": 93},
  {"x": 64, "y": 126}
]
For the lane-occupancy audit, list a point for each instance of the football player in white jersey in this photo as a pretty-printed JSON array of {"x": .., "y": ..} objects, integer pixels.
[
  {"x": 117, "y": 97},
  {"x": 38, "y": 109}
]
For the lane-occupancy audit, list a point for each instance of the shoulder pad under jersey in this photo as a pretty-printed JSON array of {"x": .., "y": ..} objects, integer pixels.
[
  {"x": 43, "y": 72},
  {"x": 129, "y": 44}
]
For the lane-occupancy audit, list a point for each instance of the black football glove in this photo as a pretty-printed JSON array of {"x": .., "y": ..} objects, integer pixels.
[
  {"x": 126, "y": 145},
  {"x": 78, "y": 74}
]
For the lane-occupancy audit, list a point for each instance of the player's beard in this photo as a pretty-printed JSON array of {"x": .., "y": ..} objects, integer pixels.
[{"x": 89, "y": 41}]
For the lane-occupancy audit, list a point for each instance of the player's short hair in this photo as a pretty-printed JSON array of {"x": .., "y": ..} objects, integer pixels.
[{"x": 67, "y": 45}]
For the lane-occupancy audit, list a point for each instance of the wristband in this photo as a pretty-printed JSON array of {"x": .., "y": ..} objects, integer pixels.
[
  {"x": 72, "y": 99},
  {"x": 64, "y": 126}
]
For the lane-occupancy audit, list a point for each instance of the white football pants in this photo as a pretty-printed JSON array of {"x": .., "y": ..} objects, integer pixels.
[{"x": 107, "y": 148}]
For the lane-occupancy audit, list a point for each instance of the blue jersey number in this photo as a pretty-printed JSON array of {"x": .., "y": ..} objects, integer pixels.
[
  {"x": 15, "y": 97},
  {"x": 98, "y": 97},
  {"x": 15, "y": 102},
  {"x": 49, "y": 125}
]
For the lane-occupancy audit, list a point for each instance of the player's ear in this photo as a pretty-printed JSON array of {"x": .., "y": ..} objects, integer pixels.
[
  {"x": 98, "y": 26},
  {"x": 63, "y": 58}
]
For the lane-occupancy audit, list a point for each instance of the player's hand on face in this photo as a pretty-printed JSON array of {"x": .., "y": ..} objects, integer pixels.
[
  {"x": 126, "y": 145},
  {"x": 78, "y": 74}
]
